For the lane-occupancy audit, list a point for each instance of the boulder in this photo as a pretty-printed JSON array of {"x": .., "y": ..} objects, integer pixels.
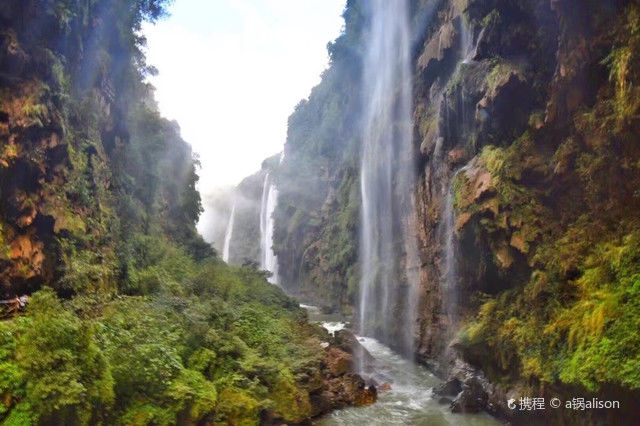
[
  {"x": 451, "y": 388},
  {"x": 445, "y": 400},
  {"x": 338, "y": 362},
  {"x": 472, "y": 399}
]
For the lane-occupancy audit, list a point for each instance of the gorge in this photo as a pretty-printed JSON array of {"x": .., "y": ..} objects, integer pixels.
[
  {"x": 452, "y": 226},
  {"x": 443, "y": 188}
]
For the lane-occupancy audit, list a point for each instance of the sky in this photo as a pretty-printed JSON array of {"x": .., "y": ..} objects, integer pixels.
[{"x": 231, "y": 72}]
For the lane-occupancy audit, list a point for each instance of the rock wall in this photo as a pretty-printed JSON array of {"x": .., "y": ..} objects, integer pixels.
[
  {"x": 85, "y": 157},
  {"x": 524, "y": 135},
  {"x": 481, "y": 79},
  {"x": 525, "y": 138}
]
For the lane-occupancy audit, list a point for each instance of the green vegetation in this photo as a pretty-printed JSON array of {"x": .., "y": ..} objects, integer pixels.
[
  {"x": 132, "y": 318},
  {"x": 220, "y": 341},
  {"x": 573, "y": 206}
]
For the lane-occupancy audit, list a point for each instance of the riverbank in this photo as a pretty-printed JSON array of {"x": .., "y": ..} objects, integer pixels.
[{"x": 405, "y": 389}]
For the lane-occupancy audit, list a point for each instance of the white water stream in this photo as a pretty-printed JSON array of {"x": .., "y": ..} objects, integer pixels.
[
  {"x": 268, "y": 259},
  {"x": 228, "y": 234},
  {"x": 410, "y": 400}
]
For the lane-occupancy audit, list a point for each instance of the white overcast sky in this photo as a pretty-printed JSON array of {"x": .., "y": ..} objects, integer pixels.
[{"x": 231, "y": 72}]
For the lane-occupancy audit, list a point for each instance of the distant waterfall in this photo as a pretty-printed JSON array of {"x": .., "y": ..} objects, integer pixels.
[
  {"x": 268, "y": 259},
  {"x": 387, "y": 307},
  {"x": 227, "y": 235}
]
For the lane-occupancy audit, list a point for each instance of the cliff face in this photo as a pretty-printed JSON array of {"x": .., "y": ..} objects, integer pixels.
[
  {"x": 244, "y": 244},
  {"x": 482, "y": 79},
  {"x": 540, "y": 212},
  {"x": 525, "y": 132},
  {"x": 84, "y": 155},
  {"x": 316, "y": 232}
]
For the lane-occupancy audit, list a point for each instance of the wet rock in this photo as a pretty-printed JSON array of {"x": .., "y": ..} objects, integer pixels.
[
  {"x": 341, "y": 386},
  {"x": 345, "y": 340},
  {"x": 380, "y": 379},
  {"x": 366, "y": 396},
  {"x": 338, "y": 362},
  {"x": 349, "y": 390},
  {"x": 472, "y": 399},
  {"x": 384, "y": 387},
  {"x": 436, "y": 46},
  {"x": 444, "y": 400},
  {"x": 456, "y": 156},
  {"x": 451, "y": 388}
]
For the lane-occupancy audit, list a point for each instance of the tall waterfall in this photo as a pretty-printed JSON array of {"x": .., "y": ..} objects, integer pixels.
[
  {"x": 455, "y": 132},
  {"x": 227, "y": 235},
  {"x": 268, "y": 259},
  {"x": 387, "y": 293}
]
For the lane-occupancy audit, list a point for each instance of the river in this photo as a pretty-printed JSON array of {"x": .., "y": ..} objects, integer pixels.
[{"x": 410, "y": 400}]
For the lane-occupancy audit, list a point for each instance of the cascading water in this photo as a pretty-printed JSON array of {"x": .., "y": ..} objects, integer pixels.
[
  {"x": 228, "y": 234},
  {"x": 450, "y": 273},
  {"x": 466, "y": 42},
  {"x": 387, "y": 297},
  {"x": 456, "y": 130},
  {"x": 388, "y": 294},
  {"x": 268, "y": 259}
]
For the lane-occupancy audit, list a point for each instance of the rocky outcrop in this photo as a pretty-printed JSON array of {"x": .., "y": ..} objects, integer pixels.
[
  {"x": 341, "y": 385},
  {"x": 34, "y": 163},
  {"x": 72, "y": 159}
]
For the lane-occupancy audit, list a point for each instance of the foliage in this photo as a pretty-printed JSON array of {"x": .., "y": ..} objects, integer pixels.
[
  {"x": 574, "y": 319},
  {"x": 66, "y": 377},
  {"x": 132, "y": 318},
  {"x": 229, "y": 346}
]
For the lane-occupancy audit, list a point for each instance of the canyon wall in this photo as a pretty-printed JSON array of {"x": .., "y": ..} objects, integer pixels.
[
  {"x": 525, "y": 138},
  {"x": 85, "y": 158}
]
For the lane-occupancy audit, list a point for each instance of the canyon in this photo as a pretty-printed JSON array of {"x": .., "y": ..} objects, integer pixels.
[
  {"x": 452, "y": 224},
  {"x": 456, "y": 180}
]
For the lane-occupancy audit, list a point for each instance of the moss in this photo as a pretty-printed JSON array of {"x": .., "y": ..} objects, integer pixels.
[
  {"x": 290, "y": 402},
  {"x": 237, "y": 407},
  {"x": 501, "y": 72},
  {"x": 427, "y": 119},
  {"x": 572, "y": 320},
  {"x": 492, "y": 18},
  {"x": 624, "y": 64}
]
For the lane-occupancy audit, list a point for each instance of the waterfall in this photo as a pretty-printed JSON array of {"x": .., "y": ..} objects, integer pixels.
[
  {"x": 268, "y": 259},
  {"x": 227, "y": 235},
  {"x": 454, "y": 136},
  {"x": 387, "y": 179},
  {"x": 449, "y": 276},
  {"x": 450, "y": 273},
  {"x": 466, "y": 41}
]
